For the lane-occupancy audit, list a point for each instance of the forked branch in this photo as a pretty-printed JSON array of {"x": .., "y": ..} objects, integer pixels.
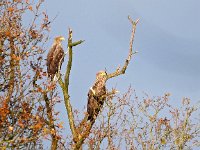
[
  {"x": 123, "y": 69},
  {"x": 65, "y": 85},
  {"x": 85, "y": 127}
]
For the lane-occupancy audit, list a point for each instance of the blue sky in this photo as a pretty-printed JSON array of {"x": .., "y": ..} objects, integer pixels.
[{"x": 167, "y": 38}]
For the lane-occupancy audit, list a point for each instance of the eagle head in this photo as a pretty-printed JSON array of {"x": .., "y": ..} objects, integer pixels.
[
  {"x": 101, "y": 74},
  {"x": 59, "y": 39}
]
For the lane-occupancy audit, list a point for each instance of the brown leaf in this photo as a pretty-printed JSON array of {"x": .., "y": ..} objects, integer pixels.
[
  {"x": 30, "y": 8},
  {"x": 10, "y": 9}
]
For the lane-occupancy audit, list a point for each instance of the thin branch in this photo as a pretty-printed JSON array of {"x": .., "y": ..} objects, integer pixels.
[
  {"x": 127, "y": 61},
  {"x": 76, "y": 43},
  {"x": 12, "y": 68},
  {"x": 51, "y": 124}
]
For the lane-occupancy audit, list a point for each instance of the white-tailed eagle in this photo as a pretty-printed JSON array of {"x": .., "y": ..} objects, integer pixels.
[
  {"x": 55, "y": 57},
  {"x": 96, "y": 95}
]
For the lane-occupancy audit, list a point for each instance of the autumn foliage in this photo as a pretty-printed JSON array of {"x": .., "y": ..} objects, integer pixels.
[
  {"x": 28, "y": 119},
  {"x": 23, "y": 112}
]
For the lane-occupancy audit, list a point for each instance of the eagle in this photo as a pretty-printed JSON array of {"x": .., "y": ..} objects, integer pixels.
[
  {"x": 55, "y": 57},
  {"x": 96, "y": 96}
]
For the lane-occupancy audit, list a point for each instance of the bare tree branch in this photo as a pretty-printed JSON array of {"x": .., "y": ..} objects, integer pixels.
[
  {"x": 51, "y": 124},
  {"x": 85, "y": 127},
  {"x": 65, "y": 85},
  {"x": 127, "y": 61}
]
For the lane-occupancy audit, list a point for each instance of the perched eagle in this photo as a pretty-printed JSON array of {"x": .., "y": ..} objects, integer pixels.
[
  {"x": 55, "y": 57},
  {"x": 96, "y": 95}
]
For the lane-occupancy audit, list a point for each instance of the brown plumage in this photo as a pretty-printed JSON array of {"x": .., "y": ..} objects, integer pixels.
[
  {"x": 55, "y": 57},
  {"x": 96, "y": 96}
]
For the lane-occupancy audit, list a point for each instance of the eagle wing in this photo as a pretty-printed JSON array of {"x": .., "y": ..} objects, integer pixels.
[
  {"x": 95, "y": 102},
  {"x": 92, "y": 106},
  {"x": 54, "y": 58},
  {"x": 50, "y": 59}
]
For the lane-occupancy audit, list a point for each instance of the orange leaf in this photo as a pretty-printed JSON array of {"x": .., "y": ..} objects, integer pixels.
[
  {"x": 40, "y": 89},
  {"x": 38, "y": 125},
  {"x": 60, "y": 125},
  {"x": 11, "y": 9},
  {"x": 10, "y": 128},
  {"x": 30, "y": 8},
  {"x": 20, "y": 123},
  {"x": 7, "y": 33},
  {"x": 19, "y": 1},
  {"x": 15, "y": 57}
]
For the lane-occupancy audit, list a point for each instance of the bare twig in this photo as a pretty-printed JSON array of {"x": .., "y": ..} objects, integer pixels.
[{"x": 123, "y": 69}]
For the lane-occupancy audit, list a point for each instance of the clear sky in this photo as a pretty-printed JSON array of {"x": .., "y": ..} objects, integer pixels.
[{"x": 167, "y": 38}]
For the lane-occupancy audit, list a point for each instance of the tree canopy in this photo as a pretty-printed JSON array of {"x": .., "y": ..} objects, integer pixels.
[{"x": 29, "y": 120}]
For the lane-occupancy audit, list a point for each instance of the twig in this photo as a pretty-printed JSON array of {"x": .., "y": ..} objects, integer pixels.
[{"x": 127, "y": 61}]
